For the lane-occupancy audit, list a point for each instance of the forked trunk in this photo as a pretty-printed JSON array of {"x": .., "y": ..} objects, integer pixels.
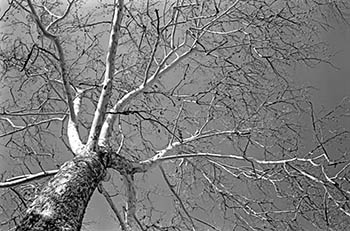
[{"x": 62, "y": 202}]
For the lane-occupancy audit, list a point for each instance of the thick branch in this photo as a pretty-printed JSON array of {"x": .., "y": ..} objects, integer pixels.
[
  {"x": 119, "y": 106},
  {"x": 62, "y": 62},
  {"x": 107, "y": 84},
  {"x": 72, "y": 129}
]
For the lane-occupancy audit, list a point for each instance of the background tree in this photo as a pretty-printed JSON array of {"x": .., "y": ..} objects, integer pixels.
[{"x": 187, "y": 104}]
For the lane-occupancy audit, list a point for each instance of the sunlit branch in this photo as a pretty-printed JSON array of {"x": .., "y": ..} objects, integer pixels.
[
  {"x": 161, "y": 154},
  {"x": 62, "y": 62},
  {"x": 226, "y": 168},
  {"x": 161, "y": 70},
  {"x": 339, "y": 203},
  {"x": 344, "y": 193},
  {"x": 22, "y": 128},
  {"x": 192, "y": 87},
  {"x": 243, "y": 158},
  {"x": 26, "y": 178},
  {"x": 122, "y": 139},
  {"x": 19, "y": 114},
  {"x": 60, "y": 18},
  {"x": 50, "y": 13},
  {"x": 12, "y": 123},
  {"x": 131, "y": 200},
  {"x": 72, "y": 127},
  {"x": 340, "y": 171},
  {"x": 173, "y": 31},
  {"x": 156, "y": 160},
  {"x": 320, "y": 181},
  {"x": 218, "y": 32},
  {"x": 107, "y": 84},
  {"x": 240, "y": 202},
  {"x": 326, "y": 184}
]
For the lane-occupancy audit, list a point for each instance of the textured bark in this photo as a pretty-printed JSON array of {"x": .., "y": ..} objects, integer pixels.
[{"x": 62, "y": 202}]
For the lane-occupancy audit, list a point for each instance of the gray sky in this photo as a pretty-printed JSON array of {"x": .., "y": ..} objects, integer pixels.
[{"x": 332, "y": 86}]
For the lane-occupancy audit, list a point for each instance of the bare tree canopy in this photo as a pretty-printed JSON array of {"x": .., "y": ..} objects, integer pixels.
[{"x": 183, "y": 114}]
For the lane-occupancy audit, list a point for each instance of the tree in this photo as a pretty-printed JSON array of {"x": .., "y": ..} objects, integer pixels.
[{"x": 196, "y": 95}]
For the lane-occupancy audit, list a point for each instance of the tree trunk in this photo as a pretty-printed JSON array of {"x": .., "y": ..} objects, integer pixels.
[{"x": 62, "y": 202}]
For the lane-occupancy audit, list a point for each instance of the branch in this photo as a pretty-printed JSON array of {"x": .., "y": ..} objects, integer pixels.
[
  {"x": 236, "y": 157},
  {"x": 26, "y": 178},
  {"x": 206, "y": 223},
  {"x": 104, "y": 192},
  {"x": 219, "y": 16},
  {"x": 107, "y": 84},
  {"x": 319, "y": 140},
  {"x": 64, "y": 71},
  {"x": 72, "y": 127},
  {"x": 10, "y": 4},
  {"x": 242, "y": 202},
  {"x": 171, "y": 187},
  {"x": 175, "y": 17},
  {"x": 160, "y": 156},
  {"x": 38, "y": 22},
  {"x": 150, "y": 61},
  {"x": 328, "y": 183},
  {"x": 59, "y": 18},
  {"x": 21, "y": 128},
  {"x": 9, "y": 113},
  {"x": 119, "y": 106},
  {"x": 131, "y": 201},
  {"x": 175, "y": 125}
]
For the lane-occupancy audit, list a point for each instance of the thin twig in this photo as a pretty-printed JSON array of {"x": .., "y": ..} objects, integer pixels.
[{"x": 171, "y": 187}]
